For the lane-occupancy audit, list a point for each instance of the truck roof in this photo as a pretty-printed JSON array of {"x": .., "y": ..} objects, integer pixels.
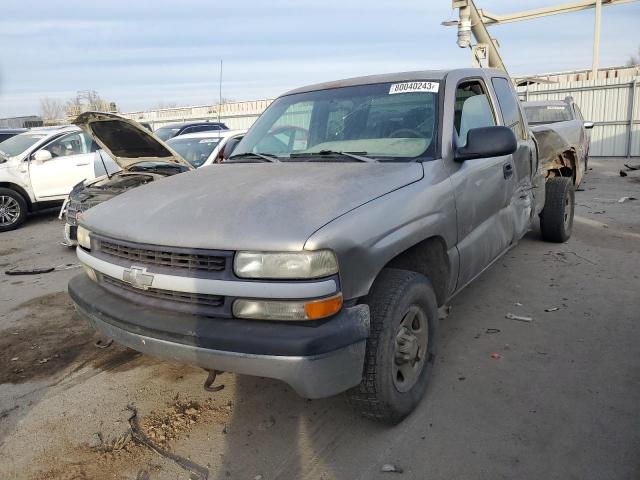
[
  {"x": 394, "y": 77},
  {"x": 543, "y": 103}
]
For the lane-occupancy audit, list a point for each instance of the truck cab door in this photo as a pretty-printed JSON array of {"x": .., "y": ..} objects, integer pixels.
[
  {"x": 62, "y": 163},
  {"x": 525, "y": 159},
  {"x": 483, "y": 187}
]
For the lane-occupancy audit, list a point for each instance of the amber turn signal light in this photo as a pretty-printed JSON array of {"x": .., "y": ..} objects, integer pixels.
[{"x": 323, "y": 308}]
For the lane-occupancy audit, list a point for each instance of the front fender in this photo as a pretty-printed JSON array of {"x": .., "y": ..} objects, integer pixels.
[{"x": 368, "y": 237}]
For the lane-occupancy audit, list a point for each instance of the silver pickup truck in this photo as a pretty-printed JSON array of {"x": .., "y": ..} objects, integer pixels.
[{"x": 319, "y": 252}]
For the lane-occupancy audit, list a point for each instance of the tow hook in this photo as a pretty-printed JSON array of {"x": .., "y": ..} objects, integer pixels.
[{"x": 212, "y": 378}]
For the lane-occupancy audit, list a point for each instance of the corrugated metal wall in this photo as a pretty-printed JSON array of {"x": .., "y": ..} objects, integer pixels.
[{"x": 613, "y": 104}]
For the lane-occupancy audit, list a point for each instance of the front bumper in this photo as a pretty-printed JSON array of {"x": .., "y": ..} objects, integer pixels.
[
  {"x": 70, "y": 235},
  {"x": 317, "y": 360}
]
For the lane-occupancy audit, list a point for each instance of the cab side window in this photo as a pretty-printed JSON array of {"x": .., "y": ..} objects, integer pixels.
[
  {"x": 68, "y": 145},
  {"x": 472, "y": 110},
  {"x": 509, "y": 106}
]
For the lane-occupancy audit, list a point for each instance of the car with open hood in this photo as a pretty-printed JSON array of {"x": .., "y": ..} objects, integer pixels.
[
  {"x": 319, "y": 251},
  {"x": 141, "y": 157}
]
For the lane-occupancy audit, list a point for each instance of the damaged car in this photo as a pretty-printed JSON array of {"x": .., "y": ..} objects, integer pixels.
[
  {"x": 319, "y": 256},
  {"x": 141, "y": 157},
  {"x": 563, "y": 137}
]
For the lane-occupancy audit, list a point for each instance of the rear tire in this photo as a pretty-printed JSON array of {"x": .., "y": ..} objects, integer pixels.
[
  {"x": 401, "y": 347},
  {"x": 556, "y": 219},
  {"x": 13, "y": 209}
]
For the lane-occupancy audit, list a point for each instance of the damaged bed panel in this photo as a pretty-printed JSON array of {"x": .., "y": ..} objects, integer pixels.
[{"x": 562, "y": 137}]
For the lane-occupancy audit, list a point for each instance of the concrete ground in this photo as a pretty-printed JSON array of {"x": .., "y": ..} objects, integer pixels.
[{"x": 560, "y": 401}]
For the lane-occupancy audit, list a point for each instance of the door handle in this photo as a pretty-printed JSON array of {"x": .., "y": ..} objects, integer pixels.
[
  {"x": 507, "y": 170},
  {"x": 81, "y": 164}
]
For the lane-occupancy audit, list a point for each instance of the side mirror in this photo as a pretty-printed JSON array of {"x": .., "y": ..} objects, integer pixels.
[
  {"x": 588, "y": 125},
  {"x": 42, "y": 155},
  {"x": 487, "y": 142},
  {"x": 229, "y": 147}
]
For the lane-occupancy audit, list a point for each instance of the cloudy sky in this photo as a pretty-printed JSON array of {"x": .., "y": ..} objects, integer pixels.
[{"x": 139, "y": 53}]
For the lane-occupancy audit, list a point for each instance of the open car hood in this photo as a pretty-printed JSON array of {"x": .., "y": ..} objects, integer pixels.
[{"x": 126, "y": 141}]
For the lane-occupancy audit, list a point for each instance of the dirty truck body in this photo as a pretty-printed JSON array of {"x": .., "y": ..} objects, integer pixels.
[
  {"x": 321, "y": 260},
  {"x": 563, "y": 136}
]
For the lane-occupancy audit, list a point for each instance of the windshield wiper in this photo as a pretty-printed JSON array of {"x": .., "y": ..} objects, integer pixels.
[
  {"x": 359, "y": 156},
  {"x": 267, "y": 157}
]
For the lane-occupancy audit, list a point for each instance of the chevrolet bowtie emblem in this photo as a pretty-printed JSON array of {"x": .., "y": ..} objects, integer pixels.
[{"x": 137, "y": 277}]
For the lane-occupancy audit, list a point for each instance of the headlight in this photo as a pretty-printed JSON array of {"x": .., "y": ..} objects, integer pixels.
[
  {"x": 83, "y": 237},
  {"x": 293, "y": 311},
  {"x": 299, "y": 265}
]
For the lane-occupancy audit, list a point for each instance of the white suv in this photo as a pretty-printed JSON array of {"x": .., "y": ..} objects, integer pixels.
[{"x": 38, "y": 168}]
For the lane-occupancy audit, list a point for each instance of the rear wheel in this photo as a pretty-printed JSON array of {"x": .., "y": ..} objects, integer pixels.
[
  {"x": 556, "y": 219},
  {"x": 401, "y": 347},
  {"x": 13, "y": 209}
]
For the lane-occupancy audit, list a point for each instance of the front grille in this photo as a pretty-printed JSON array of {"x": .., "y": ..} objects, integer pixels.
[
  {"x": 74, "y": 208},
  {"x": 171, "y": 295},
  {"x": 164, "y": 257}
]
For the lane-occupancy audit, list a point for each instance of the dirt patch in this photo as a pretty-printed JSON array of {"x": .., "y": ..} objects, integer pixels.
[
  {"x": 179, "y": 417},
  {"x": 126, "y": 457},
  {"x": 9, "y": 251},
  {"x": 133, "y": 461},
  {"x": 50, "y": 338}
]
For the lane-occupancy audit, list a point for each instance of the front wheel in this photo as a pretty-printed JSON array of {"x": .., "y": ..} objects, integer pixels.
[
  {"x": 401, "y": 346},
  {"x": 13, "y": 209},
  {"x": 556, "y": 219}
]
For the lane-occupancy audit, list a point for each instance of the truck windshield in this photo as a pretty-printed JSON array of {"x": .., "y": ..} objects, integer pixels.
[
  {"x": 18, "y": 144},
  {"x": 383, "y": 121},
  {"x": 547, "y": 114}
]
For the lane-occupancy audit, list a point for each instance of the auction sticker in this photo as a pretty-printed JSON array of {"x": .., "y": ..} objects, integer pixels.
[{"x": 410, "y": 87}]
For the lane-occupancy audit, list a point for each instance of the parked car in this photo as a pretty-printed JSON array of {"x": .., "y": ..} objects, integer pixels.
[
  {"x": 6, "y": 133},
  {"x": 169, "y": 131},
  {"x": 141, "y": 159},
  {"x": 204, "y": 148},
  {"x": 38, "y": 168},
  {"x": 564, "y": 135},
  {"x": 323, "y": 264}
]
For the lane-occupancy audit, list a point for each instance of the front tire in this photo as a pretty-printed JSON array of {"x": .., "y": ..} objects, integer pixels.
[
  {"x": 556, "y": 219},
  {"x": 401, "y": 347},
  {"x": 13, "y": 209}
]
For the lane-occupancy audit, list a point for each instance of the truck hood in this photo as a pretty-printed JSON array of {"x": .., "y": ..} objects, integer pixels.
[
  {"x": 126, "y": 141},
  {"x": 246, "y": 206}
]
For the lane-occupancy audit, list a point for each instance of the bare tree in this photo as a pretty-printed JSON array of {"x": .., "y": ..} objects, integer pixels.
[
  {"x": 86, "y": 100},
  {"x": 51, "y": 108},
  {"x": 634, "y": 59}
]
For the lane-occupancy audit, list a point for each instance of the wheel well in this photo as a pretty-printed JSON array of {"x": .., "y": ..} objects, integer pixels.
[
  {"x": 564, "y": 165},
  {"x": 430, "y": 258},
  {"x": 18, "y": 189}
]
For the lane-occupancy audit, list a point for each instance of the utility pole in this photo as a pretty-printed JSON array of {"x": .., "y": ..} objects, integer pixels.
[
  {"x": 220, "y": 92},
  {"x": 596, "y": 41}
]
